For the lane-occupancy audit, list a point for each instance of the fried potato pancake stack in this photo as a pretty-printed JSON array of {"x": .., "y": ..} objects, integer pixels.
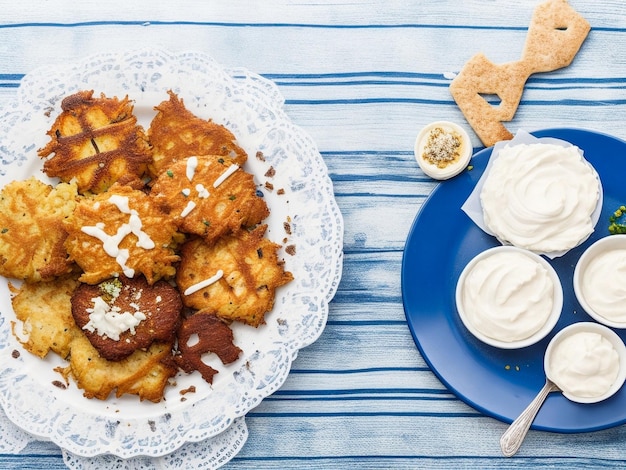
[
  {"x": 96, "y": 142},
  {"x": 46, "y": 312},
  {"x": 116, "y": 257}
]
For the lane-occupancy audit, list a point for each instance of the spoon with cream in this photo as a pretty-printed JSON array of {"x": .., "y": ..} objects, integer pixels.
[{"x": 585, "y": 361}]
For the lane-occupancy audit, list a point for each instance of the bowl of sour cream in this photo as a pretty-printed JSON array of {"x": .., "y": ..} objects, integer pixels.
[
  {"x": 600, "y": 281},
  {"x": 587, "y": 361},
  {"x": 509, "y": 297}
]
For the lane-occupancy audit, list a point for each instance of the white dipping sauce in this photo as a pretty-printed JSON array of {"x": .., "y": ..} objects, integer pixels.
[
  {"x": 603, "y": 284},
  {"x": 584, "y": 365},
  {"x": 508, "y": 296},
  {"x": 540, "y": 197}
]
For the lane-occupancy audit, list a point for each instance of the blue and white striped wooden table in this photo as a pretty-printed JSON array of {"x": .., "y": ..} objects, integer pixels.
[{"x": 361, "y": 78}]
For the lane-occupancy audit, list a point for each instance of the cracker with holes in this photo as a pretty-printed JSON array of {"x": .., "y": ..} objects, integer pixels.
[{"x": 554, "y": 37}]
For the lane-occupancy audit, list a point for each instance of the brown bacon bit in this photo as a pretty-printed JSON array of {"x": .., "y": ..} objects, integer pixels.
[
  {"x": 59, "y": 384},
  {"x": 290, "y": 250},
  {"x": 280, "y": 192},
  {"x": 271, "y": 172},
  {"x": 191, "y": 389},
  {"x": 259, "y": 156},
  {"x": 269, "y": 185},
  {"x": 15, "y": 354},
  {"x": 287, "y": 227}
]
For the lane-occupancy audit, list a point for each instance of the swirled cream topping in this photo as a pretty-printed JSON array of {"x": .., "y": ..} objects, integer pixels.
[
  {"x": 540, "y": 197},
  {"x": 585, "y": 364},
  {"x": 508, "y": 296},
  {"x": 603, "y": 284}
]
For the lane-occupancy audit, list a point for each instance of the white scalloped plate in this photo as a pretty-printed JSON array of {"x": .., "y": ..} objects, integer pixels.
[{"x": 252, "y": 108}]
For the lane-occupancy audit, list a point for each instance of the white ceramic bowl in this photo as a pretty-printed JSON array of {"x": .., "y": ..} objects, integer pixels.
[
  {"x": 550, "y": 320},
  {"x": 453, "y": 168},
  {"x": 602, "y": 246},
  {"x": 590, "y": 327}
]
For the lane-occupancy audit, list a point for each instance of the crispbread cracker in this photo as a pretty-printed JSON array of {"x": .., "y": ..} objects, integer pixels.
[{"x": 555, "y": 35}]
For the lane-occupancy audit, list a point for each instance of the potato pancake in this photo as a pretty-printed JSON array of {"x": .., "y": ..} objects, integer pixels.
[
  {"x": 44, "y": 309},
  {"x": 121, "y": 232},
  {"x": 32, "y": 235},
  {"x": 144, "y": 373},
  {"x": 97, "y": 142},
  {"x": 176, "y": 133},
  {"x": 209, "y": 197},
  {"x": 235, "y": 278}
]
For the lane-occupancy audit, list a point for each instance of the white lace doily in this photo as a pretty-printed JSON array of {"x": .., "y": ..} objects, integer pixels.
[
  {"x": 209, "y": 454},
  {"x": 252, "y": 108}
]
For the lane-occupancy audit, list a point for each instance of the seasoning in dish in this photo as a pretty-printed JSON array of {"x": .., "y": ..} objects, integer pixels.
[{"x": 442, "y": 149}]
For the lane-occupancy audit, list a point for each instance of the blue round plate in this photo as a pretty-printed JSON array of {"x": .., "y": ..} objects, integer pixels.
[{"x": 442, "y": 240}]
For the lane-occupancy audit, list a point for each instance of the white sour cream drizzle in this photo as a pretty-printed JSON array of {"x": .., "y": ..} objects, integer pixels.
[
  {"x": 508, "y": 296},
  {"x": 585, "y": 365},
  {"x": 604, "y": 285},
  {"x": 540, "y": 197},
  {"x": 229, "y": 171},
  {"x": 110, "y": 243},
  {"x": 192, "y": 164},
  {"x": 188, "y": 208},
  {"x": 206, "y": 283},
  {"x": 111, "y": 321},
  {"x": 203, "y": 193}
]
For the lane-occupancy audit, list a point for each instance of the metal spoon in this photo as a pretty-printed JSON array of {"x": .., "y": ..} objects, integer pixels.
[{"x": 512, "y": 439}]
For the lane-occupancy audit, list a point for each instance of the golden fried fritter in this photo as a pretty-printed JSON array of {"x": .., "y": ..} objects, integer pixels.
[
  {"x": 156, "y": 308},
  {"x": 45, "y": 312},
  {"x": 209, "y": 198},
  {"x": 97, "y": 142},
  {"x": 121, "y": 232},
  {"x": 143, "y": 373},
  {"x": 213, "y": 336},
  {"x": 250, "y": 273},
  {"x": 176, "y": 133},
  {"x": 31, "y": 229}
]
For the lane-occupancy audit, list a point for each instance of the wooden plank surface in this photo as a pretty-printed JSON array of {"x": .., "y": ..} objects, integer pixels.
[{"x": 361, "y": 78}]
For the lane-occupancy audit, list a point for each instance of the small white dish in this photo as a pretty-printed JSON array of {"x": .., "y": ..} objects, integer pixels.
[
  {"x": 551, "y": 318},
  {"x": 439, "y": 139},
  {"x": 586, "y": 327},
  {"x": 586, "y": 362},
  {"x": 590, "y": 278}
]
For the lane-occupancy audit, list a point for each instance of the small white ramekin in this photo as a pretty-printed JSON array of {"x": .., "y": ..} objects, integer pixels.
[
  {"x": 452, "y": 169},
  {"x": 551, "y": 319}
]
